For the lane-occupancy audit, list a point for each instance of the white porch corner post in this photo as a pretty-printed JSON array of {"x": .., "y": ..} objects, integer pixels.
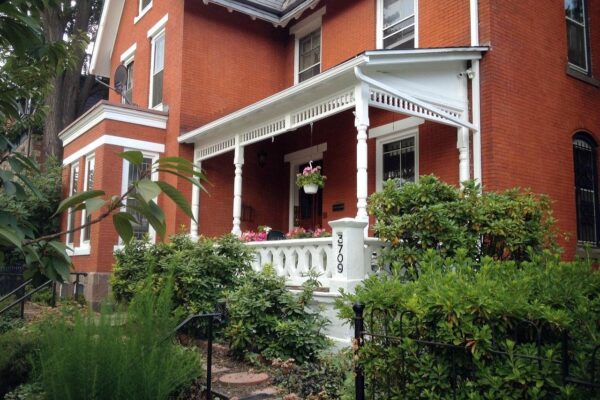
[
  {"x": 464, "y": 167},
  {"x": 238, "y": 161},
  {"x": 348, "y": 254},
  {"x": 195, "y": 204},
  {"x": 361, "y": 122}
]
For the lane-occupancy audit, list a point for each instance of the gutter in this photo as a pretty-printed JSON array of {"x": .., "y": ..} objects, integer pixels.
[{"x": 476, "y": 95}]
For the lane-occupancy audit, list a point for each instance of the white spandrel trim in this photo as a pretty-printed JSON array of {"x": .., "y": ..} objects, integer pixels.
[
  {"x": 104, "y": 111},
  {"x": 134, "y": 144}
]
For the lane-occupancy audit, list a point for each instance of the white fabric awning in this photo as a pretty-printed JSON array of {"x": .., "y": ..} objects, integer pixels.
[{"x": 427, "y": 83}]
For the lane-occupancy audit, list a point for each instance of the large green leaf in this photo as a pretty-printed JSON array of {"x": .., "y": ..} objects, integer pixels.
[
  {"x": 134, "y": 157},
  {"x": 148, "y": 189},
  {"x": 122, "y": 222},
  {"x": 11, "y": 236},
  {"x": 77, "y": 199},
  {"x": 177, "y": 197},
  {"x": 94, "y": 204}
]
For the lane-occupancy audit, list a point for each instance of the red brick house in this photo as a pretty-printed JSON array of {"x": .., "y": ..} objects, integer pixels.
[{"x": 505, "y": 92}]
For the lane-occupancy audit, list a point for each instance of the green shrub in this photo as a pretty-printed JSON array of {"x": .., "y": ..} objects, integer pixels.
[
  {"x": 117, "y": 355},
  {"x": 434, "y": 215},
  {"x": 495, "y": 307},
  {"x": 264, "y": 317},
  {"x": 201, "y": 270},
  {"x": 17, "y": 350}
]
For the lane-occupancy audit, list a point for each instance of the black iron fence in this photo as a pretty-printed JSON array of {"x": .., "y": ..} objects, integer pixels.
[
  {"x": 11, "y": 276},
  {"x": 387, "y": 348}
]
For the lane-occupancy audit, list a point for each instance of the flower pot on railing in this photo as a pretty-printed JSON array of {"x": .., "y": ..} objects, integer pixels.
[{"x": 311, "y": 188}]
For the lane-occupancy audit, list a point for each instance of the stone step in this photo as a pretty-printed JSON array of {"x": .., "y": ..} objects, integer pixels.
[{"x": 244, "y": 378}]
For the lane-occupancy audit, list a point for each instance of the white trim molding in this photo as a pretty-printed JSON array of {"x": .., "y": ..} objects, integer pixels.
[
  {"x": 106, "y": 111},
  {"x": 379, "y": 25},
  {"x": 395, "y": 127},
  {"x": 134, "y": 144},
  {"x": 128, "y": 54},
  {"x": 156, "y": 28},
  {"x": 142, "y": 11},
  {"x": 394, "y": 136}
]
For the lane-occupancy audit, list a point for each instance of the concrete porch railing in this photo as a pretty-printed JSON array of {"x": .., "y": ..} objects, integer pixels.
[{"x": 341, "y": 261}]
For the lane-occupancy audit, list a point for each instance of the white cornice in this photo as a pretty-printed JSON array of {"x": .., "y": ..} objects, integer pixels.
[
  {"x": 128, "y": 143},
  {"x": 105, "y": 38},
  {"x": 105, "y": 111}
]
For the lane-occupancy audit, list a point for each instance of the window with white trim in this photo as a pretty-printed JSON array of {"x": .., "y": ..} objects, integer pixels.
[
  {"x": 577, "y": 34},
  {"x": 133, "y": 173},
  {"x": 586, "y": 189},
  {"x": 145, "y": 5},
  {"x": 157, "y": 69},
  {"x": 397, "y": 158},
  {"x": 127, "y": 93},
  {"x": 309, "y": 55},
  {"x": 88, "y": 184},
  {"x": 396, "y": 24},
  {"x": 73, "y": 184}
]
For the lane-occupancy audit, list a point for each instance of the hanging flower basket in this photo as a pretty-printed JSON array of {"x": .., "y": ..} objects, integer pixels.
[
  {"x": 310, "y": 179},
  {"x": 311, "y": 188}
]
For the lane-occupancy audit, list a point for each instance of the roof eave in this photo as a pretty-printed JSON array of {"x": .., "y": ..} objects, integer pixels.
[{"x": 106, "y": 36}]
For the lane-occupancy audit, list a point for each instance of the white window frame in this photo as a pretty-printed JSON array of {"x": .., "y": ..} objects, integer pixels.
[
  {"x": 142, "y": 11},
  {"x": 127, "y": 58},
  {"x": 301, "y": 30},
  {"x": 153, "y": 34},
  {"x": 90, "y": 160},
  {"x": 125, "y": 186},
  {"x": 392, "y": 132},
  {"x": 586, "y": 39},
  {"x": 297, "y": 158},
  {"x": 379, "y": 25},
  {"x": 70, "y": 237}
]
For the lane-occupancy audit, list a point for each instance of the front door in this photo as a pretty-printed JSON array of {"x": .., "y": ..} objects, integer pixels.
[{"x": 308, "y": 212}]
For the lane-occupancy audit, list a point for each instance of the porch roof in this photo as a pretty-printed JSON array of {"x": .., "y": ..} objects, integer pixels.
[
  {"x": 420, "y": 82},
  {"x": 277, "y": 12}
]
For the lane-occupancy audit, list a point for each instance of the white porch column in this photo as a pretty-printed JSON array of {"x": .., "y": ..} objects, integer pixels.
[
  {"x": 238, "y": 161},
  {"x": 361, "y": 96},
  {"x": 464, "y": 167},
  {"x": 195, "y": 204}
]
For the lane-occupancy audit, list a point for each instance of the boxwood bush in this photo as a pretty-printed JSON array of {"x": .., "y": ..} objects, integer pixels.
[{"x": 496, "y": 306}]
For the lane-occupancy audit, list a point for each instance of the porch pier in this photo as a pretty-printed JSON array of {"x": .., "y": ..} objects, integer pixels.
[{"x": 238, "y": 161}]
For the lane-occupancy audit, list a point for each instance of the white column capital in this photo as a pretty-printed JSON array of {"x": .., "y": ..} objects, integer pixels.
[{"x": 361, "y": 101}]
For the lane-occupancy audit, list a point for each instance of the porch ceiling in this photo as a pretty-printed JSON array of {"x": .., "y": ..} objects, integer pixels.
[{"x": 421, "y": 82}]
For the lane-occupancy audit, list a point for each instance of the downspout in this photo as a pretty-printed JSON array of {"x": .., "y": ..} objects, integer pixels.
[
  {"x": 404, "y": 96},
  {"x": 476, "y": 95}
]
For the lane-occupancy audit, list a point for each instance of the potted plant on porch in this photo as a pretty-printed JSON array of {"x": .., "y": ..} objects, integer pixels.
[{"x": 310, "y": 179}]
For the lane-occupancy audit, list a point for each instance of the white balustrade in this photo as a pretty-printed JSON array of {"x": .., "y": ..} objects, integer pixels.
[
  {"x": 341, "y": 261},
  {"x": 295, "y": 258}
]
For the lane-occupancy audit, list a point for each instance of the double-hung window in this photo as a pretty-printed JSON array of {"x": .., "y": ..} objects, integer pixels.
[
  {"x": 133, "y": 173},
  {"x": 157, "y": 69},
  {"x": 309, "y": 55},
  {"x": 396, "y": 25},
  {"x": 127, "y": 93},
  {"x": 88, "y": 184},
  {"x": 577, "y": 35},
  {"x": 73, "y": 184},
  {"x": 586, "y": 189}
]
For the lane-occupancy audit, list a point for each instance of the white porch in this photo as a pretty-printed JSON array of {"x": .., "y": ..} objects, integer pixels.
[{"x": 431, "y": 84}]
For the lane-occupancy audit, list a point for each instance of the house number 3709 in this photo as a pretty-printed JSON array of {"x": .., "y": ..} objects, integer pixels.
[{"x": 340, "y": 255}]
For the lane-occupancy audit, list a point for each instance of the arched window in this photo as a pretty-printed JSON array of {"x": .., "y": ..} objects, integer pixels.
[{"x": 586, "y": 188}]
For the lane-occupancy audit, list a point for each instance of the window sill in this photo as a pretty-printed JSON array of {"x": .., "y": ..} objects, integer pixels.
[
  {"x": 574, "y": 73},
  {"x": 591, "y": 252},
  {"x": 144, "y": 12},
  {"x": 79, "y": 251}
]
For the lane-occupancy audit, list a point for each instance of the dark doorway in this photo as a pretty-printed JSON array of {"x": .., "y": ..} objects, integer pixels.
[{"x": 309, "y": 214}]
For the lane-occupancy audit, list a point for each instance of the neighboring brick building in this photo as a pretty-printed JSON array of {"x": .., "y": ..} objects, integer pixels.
[{"x": 505, "y": 92}]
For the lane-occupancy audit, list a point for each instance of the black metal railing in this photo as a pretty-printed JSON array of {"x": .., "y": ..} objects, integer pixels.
[
  {"x": 24, "y": 297},
  {"x": 210, "y": 321},
  {"x": 388, "y": 335},
  {"x": 11, "y": 276}
]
